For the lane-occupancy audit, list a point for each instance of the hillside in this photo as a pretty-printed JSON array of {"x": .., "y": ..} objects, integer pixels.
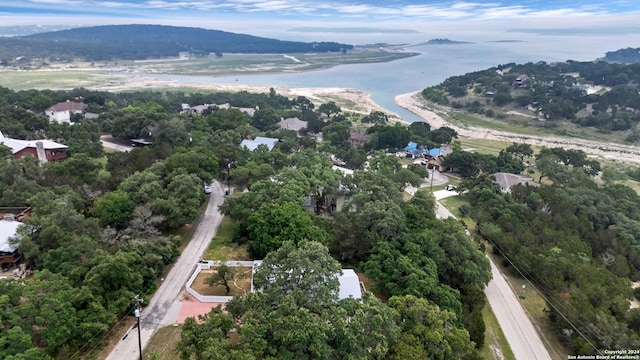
[
  {"x": 138, "y": 42},
  {"x": 601, "y": 96},
  {"x": 624, "y": 56}
]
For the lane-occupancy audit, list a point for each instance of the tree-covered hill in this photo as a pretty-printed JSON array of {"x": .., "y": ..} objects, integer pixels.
[
  {"x": 597, "y": 94},
  {"x": 134, "y": 42},
  {"x": 625, "y": 56}
]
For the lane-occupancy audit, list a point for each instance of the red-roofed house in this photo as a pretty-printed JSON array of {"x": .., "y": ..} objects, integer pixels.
[
  {"x": 61, "y": 112},
  {"x": 43, "y": 150}
]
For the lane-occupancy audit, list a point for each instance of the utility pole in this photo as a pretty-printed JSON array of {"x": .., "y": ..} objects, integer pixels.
[
  {"x": 228, "y": 161},
  {"x": 138, "y": 301},
  {"x": 431, "y": 186}
]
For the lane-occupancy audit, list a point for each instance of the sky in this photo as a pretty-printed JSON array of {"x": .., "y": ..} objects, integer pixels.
[{"x": 360, "y": 21}]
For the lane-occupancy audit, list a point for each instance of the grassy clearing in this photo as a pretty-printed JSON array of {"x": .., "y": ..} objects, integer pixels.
[
  {"x": 242, "y": 64},
  {"x": 482, "y": 146},
  {"x": 222, "y": 247},
  {"x": 453, "y": 204},
  {"x": 66, "y": 80},
  {"x": 633, "y": 184},
  {"x": 495, "y": 343},
  {"x": 85, "y": 74},
  {"x": 470, "y": 120},
  {"x": 162, "y": 344}
]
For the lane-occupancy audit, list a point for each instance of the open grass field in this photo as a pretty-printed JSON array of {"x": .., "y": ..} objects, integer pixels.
[
  {"x": 62, "y": 80},
  {"x": 90, "y": 75},
  {"x": 242, "y": 64}
]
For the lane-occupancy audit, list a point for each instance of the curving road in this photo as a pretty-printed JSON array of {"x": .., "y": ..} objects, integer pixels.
[
  {"x": 521, "y": 335},
  {"x": 164, "y": 306}
]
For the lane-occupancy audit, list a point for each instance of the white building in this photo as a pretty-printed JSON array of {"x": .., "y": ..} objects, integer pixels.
[{"x": 61, "y": 112}]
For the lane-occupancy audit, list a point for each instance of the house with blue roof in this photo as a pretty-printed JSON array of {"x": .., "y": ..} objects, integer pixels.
[{"x": 413, "y": 149}]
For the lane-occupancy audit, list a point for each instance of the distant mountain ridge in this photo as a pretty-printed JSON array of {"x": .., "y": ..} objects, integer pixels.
[{"x": 138, "y": 42}]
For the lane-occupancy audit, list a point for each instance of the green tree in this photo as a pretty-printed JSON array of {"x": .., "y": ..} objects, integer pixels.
[
  {"x": 428, "y": 332},
  {"x": 114, "y": 209},
  {"x": 329, "y": 108},
  {"x": 520, "y": 150},
  {"x": 306, "y": 273},
  {"x": 223, "y": 275},
  {"x": 376, "y": 118},
  {"x": 208, "y": 339},
  {"x": 273, "y": 224}
]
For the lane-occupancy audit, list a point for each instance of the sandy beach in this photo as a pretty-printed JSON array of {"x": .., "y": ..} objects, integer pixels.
[{"x": 610, "y": 151}]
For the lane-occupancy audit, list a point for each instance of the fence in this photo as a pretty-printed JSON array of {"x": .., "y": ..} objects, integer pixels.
[{"x": 207, "y": 265}]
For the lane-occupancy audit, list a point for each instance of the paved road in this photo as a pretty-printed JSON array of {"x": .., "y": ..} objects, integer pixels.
[
  {"x": 104, "y": 139},
  {"x": 522, "y": 337},
  {"x": 516, "y": 326},
  {"x": 164, "y": 307},
  {"x": 435, "y": 178}
]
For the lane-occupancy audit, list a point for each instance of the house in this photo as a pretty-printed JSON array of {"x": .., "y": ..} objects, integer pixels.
[
  {"x": 259, "y": 140},
  {"x": 43, "y": 150},
  {"x": 436, "y": 163},
  {"x": 507, "y": 180},
  {"x": 350, "y": 286},
  {"x": 358, "y": 139},
  {"x": 294, "y": 124},
  {"x": 199, "y": 109},
  {"x": 8, "y": 252},
  {"x": 61, "y": 112},
  {"x": 521, "y": 80},
  {"x": 195, "y": 110}
]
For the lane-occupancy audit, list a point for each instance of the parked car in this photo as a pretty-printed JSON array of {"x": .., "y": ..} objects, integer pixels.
[
  {"x": 450, "y": 187},
  {"x": 207, "y": 190}
]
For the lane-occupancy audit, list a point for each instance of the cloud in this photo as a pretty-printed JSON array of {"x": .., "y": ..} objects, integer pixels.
[{"x": 402, "y": 10}]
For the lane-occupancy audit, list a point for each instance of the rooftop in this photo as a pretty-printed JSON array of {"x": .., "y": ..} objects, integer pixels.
[
  {"x": 16, "y": 145},
  {"x": 259, "y": 140},
  {"x": 8, "y": 228}
]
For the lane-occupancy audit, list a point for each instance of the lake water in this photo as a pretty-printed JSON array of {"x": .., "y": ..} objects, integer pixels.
[{"x": 434, "y": 64}]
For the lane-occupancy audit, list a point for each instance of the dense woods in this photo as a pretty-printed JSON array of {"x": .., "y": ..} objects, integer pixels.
[
  {"x": 136, "y": 42},
  {"x": 577, "y": 242}
]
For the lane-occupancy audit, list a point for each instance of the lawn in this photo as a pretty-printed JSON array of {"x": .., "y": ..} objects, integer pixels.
[
  {"x": 239, "y": 285},
  {"x": 222, "y": 246},
  {"x": 453, "y": 204},
  {"x": 162, "y": 344},
  {"x": 633, "y": 184}
]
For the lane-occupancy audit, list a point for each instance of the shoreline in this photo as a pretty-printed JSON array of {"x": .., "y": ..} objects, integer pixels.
[
  {"x": 611, "y": 151},
  {"x": 359, "y": 101}
]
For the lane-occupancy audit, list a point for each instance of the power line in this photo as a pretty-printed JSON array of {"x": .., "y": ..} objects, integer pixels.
[{"x": 549, "y": 302}]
